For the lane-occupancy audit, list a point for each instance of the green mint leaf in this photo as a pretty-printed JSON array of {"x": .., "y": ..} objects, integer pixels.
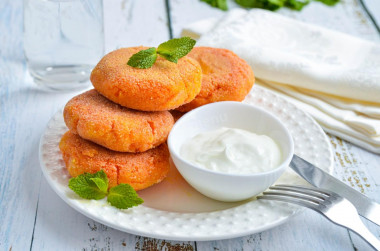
[
  {"x": 123, "y": 196},
  {"x": 176, "y": 48},
  {"x": 221, "y": 4},
  {"x": 101, "y": 175},
  {"x": 296, "y": 4},
  {"x": 87, "y": 185},
  {"x": 101, "y": 184},
  {"x": 143, "y": 59},
  {"x": 328, "y": 2},
  {"x": 262, "y": 4},
  {"x": 101, "y": 180}
]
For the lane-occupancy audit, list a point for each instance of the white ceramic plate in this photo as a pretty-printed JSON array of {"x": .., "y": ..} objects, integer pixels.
[{"x": 175, "y": 211}]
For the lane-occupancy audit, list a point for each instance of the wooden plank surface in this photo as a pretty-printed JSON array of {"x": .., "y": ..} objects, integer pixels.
[
  {"x": 33, "y": 217},
  {"x": 21, "y": 124},
  {"x": 359, "y": 169}
]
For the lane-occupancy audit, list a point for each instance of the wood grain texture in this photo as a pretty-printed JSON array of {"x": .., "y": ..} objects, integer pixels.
[
  {"x": 293, "y": 235},
  {"x": 60, "y": 227},
  {"x": 373, "y": 7},
  {"x": 359, "y": 169},
  {"x": 33, "y": 217},
  {"x": 21, "y": 123}
]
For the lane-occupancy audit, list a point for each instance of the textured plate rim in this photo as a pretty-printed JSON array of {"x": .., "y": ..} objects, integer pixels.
[{"x": 220, "y": 236}]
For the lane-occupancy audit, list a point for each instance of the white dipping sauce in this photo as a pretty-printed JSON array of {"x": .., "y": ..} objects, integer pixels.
[{"x": 234, "y": 151}]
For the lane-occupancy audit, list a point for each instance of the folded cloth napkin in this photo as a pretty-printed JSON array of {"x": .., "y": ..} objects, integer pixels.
[{"x": 333, "y": 76}]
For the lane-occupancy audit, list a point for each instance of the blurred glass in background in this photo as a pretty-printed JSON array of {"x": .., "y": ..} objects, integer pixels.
[{"x": 63, "y": 41}]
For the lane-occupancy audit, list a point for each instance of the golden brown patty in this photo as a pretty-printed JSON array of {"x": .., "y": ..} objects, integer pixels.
[
  {"x": 225, "y": 77},
  {"x": 164, "y": 86},
  {"x": 140, "y": 170},
  {"x": 118, "y": 128}
]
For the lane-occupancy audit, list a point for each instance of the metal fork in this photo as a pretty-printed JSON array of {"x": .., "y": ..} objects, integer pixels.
[{"x": 331, "y": 205}]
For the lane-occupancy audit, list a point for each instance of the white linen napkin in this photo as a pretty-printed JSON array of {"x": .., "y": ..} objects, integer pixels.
[{"x": 333, "y": 76}]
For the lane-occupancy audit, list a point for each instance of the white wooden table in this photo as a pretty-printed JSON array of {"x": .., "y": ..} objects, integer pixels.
[{"x": 33, "y": 217}]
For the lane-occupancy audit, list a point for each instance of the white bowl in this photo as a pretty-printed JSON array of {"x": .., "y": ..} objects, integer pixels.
[{"x": 223, "y": 186}]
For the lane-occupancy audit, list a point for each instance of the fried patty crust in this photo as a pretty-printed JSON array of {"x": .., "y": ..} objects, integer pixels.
[
  {"x": 164, "y": 86},
  {"x": 95, "y": 118},
  {"x": 140, "y": 170},
  {"x": 225, "y": 77}
]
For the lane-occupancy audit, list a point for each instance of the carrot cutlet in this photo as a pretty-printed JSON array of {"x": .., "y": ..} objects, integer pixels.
[
  {"x": 140, "y": 170},
  {"x": 225, "y": 77},
  {"x": 95, "y": 118},
  {"x": 164, "y": 86}
]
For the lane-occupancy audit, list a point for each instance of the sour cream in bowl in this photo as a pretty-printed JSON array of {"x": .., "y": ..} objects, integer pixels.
[{"x": 230, "y": 151}]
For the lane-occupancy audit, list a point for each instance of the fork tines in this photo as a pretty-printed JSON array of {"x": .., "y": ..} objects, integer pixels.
[
  {"x": 304, "y": 196},
  {"x": 331, "y": 205}
]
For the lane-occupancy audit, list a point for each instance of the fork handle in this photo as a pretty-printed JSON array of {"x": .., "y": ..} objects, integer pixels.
[{"x": 360, "y": 229}]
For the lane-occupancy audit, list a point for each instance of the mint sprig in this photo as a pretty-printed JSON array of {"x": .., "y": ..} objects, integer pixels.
[
  {"x": 143, "y": 59},
  {"x": 123, "y": 196},
  {"x": 328, "y": 2},
  {"x": 86, "y": 185},
  {"x": 221, "y": 4},
  {"x": 268, "y": 4},
  {"x": 95, "y": 187},
  {"x": 296, "y": 4},
  {"x": 262, "y": 4},
  {"x": 176, "y": 48},
  {"x": 171, "y": 50}
]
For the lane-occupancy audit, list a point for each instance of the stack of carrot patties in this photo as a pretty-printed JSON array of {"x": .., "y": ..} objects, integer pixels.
[{"x": 122, "y": 125}]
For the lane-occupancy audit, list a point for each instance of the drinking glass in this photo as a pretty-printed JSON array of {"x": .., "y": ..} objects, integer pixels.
[{"x": 63, "y": 41}]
